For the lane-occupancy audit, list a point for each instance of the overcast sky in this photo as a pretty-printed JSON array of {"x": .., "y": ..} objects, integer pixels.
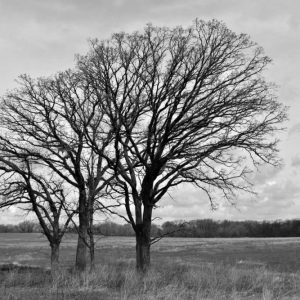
[{"x": 41, "y": 37}]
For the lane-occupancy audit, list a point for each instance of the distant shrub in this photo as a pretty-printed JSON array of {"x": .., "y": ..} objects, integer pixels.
[{"x": 29, "y": 227}]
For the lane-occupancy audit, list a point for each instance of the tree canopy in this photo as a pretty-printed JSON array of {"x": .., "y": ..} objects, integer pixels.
[{"x": 186, "y": 105}]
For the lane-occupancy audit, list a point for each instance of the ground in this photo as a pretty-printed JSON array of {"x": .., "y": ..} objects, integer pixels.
[{"x": 243, "y": 268}]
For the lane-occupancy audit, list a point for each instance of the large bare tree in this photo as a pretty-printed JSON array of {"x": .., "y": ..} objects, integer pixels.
[
  {"x": 45, "y": 120},
  {"x": 187, "y": 106}
]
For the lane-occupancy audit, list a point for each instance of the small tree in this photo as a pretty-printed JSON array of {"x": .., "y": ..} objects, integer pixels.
[
  {"x": 36, "y": 191},
  {"x": 187, "y": 106}
]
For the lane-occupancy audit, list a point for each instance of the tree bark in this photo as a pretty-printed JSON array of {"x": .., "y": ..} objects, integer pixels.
[
  {"x": 91, "y": 234},
  {"x": 143, "y": 241},
  {"x": 91, "y": 244},
  {"x": 54, "y": 258},
  {"x": 92, "y": 253},
  {"x": 81, "y": 253},
  {"x": 82, "y": 245}
]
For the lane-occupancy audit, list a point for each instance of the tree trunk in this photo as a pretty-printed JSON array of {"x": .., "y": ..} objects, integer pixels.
[
  {"x": 92, "y": 252},
  {"x": 82, "y": 245},
  {"x": 91, "y": 246},
  {"x": 143, "y": 241},
  {"x": 54, "y": 258},
  {"x": 81, "y": 253},
  {"x": 91, "y": 235},
  {"x": 142, "y": 252}
]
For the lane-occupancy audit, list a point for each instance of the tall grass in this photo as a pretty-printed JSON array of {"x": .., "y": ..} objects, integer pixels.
[{"x": 118, "y": 280}]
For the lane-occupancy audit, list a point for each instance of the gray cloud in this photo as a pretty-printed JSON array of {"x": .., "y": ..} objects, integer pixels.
[
  {"x": 295, "y": 129},
  {"x": 295, "y": 161},
  {"x": 264, "y": 173}
]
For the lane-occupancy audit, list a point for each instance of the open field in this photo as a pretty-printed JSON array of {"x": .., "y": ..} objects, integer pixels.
[
  {"x": 276, "y": 254},
  {"x": 183, "y": 268}
]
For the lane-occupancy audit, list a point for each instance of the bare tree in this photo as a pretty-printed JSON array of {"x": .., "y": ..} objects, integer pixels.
[
  {"x": 45, "y": 121},
  {"x": 34, "y": 191},
  {"x": 187, "y": 106}
]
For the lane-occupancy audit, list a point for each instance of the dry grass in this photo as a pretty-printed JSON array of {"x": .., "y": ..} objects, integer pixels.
[{"x": 118, "y": 280}]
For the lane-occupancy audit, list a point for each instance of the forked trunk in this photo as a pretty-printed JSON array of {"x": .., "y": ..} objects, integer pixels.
[{"x": 54, "y": 258}]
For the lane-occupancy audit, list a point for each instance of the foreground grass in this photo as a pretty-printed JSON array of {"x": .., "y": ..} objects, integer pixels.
[{"x": 118, "y": 280}]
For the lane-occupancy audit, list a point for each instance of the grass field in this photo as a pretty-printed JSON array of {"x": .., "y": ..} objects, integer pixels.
[{"x": 183, "y": 268}]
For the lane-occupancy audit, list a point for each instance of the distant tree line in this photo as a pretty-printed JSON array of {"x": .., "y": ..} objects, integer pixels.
[
  {"x": 208, "y": 228},
  {"x": 22, "y": 227},
  {"x": 205, "y": 228}
]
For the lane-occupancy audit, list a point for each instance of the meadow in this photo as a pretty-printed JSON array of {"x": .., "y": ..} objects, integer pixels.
[{"x": 182, "y": 268}]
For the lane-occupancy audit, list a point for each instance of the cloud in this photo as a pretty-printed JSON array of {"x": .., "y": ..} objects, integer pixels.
[
  {"x": 264, "y": 173},
  {"x": 281, "y": 193},
  {"x": 295, "y": 161},
  {"x": 12, "y": 215},
  {"x": 295, "y": 129},
  {"x": 41, "y": 37}
]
